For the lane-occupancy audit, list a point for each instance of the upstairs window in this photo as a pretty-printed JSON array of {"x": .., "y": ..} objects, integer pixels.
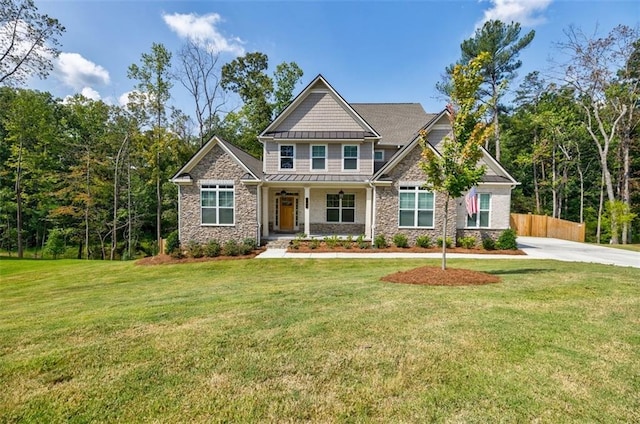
[
  {"x": 349, "y": 158},
  {"x": 319, "y": 157},
  {"x": 378, "y": 155},
  {"x": 341, "y": 210},
  {"x": 481, "y": 218},
  {"x": 217, "y": 204},
  {"x": 416, "y": 207},
  {"x": 287, "y": 155}
]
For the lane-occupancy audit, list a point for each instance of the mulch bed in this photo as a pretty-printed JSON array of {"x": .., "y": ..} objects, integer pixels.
[
  {"x": 167, "y": 260},
  {"x": 304, "y": 248},
  {"x": 435, "y": 276}
]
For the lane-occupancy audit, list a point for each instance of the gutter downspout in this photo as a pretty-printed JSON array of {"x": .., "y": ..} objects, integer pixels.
[
  {"x": 259, "y": 201},
  {"x": 373, "y": 212}
]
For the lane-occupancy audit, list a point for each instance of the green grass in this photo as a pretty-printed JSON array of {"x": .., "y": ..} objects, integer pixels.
[
  {"x": 631, "y": 247},
  {"x": 317, "y": 340}
]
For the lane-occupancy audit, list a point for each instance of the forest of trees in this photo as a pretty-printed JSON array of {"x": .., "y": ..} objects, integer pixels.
[{"x": 97, "y": 175}]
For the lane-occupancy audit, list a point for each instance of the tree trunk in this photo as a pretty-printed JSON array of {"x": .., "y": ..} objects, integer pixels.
[
  {"x": 626, "y": 197},
  {"x": 86, "y": 211},
  {"x": 599, "y": 229},
  {"x": 19, "y": 203}
]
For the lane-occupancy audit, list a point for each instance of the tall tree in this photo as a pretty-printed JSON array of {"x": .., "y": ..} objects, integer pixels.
[
  {"x": 503, "y": 44},
  {"x": 149, "y": 102},
  {"x": 455, "y": 170},
  {"x": 199, "y": 73},
  {"x": 261, "y": 96},
  {"x": 591, "y": 69},
  {"x": 28, "y": 41}
]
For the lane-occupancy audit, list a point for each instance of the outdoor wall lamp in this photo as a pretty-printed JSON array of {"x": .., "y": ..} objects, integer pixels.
[{"x": 341, "y": 194}]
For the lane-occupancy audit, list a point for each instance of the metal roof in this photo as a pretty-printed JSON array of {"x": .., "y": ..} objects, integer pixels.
[
  {"x": 320, "y": 135},
  {"x": 344, "y": 178}
]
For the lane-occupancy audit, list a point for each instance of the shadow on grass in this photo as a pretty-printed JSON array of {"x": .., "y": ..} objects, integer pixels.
[{"x": 519, "y": 271}]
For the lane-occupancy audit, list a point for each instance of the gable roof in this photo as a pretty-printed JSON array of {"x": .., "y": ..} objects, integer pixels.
[
  {"x": 397, "y": 123},
  {"x": 328, "y": 108},
  {"x": 501, "y": 177},
  {"x": 251, "y": 165}
]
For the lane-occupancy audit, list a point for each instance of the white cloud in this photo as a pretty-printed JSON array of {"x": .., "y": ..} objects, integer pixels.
[
  {"x": 202, "y": 30},
  {"x": 527, "y": 12},
  {"x": 123, "y": 100},
  {"x": 90, "y": 93},
  {"x": 78, "y": 72}
]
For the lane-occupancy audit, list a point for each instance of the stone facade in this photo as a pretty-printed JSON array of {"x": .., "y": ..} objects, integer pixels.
[
  {"x": 343, "y": 229},
  {"x": 386, "y": 221},
  {"x": 217, "y": 165}
]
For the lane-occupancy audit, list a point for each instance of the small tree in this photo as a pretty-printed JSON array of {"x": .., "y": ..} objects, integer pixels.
[
  {"x": 455, "y": 170},
  {"x": 55, "y": 243}
]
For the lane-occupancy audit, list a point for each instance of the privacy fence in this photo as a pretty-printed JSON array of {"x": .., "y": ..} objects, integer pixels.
[{"x": 545, "y": 226}]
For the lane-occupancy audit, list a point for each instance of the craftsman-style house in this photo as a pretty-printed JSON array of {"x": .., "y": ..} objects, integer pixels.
[{"x": 332, "y": 168}]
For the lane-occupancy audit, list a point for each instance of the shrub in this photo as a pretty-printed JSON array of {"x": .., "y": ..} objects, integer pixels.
[
  {"x": 348, "y": 242},
  {"x": 448, "y": 242},
  {"x": 172, "y": 244},
  {"x": 488, "y": 243},
  {"x": 361, "y": 243},
  {"x": 231, "y": 248},
  {"x": 423, "y": 241},
  {"x": 250, "y": 242},
  {"x": 507, "y": 240},
  {"x": 212, "y": 249},
  {"x": 332, "y": 241},
  {"x": 401, "y": 240},
  {"x": 379, "y": 242},
  {"x": 314, "y": 243},
  {"x": 55, "y": 243},
  {"x": 467, "y": 242},
  {"x": 194, "y": 249}
]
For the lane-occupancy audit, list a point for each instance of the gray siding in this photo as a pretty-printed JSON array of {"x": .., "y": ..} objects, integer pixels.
[
  {"x": 303, "y": 162},
  {"x": 319, "y": 112}
]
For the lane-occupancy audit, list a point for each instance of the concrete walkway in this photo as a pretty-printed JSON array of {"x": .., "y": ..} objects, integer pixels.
[{"x": 534, "y": 247}]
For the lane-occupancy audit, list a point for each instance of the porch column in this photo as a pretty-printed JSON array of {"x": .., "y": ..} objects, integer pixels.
[
  {"x": 307, "y": 213},
  {"x": 265, "y": 211},
  {"x": 368, "y": 213}
]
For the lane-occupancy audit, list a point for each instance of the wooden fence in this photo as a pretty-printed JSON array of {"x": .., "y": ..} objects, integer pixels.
[{"x": 545, "y": 226}]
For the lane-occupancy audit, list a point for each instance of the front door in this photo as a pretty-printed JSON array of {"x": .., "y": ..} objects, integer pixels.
[{"x": 286, "y": 213}]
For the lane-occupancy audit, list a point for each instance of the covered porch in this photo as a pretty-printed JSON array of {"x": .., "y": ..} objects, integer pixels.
[{"x": 319, "y": 210}]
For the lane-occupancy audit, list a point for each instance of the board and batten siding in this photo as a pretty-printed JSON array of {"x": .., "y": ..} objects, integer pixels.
[{"x": 303, "y": 158}]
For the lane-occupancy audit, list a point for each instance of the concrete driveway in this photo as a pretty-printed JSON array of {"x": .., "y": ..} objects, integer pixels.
[{"x": 569, "y": 251}]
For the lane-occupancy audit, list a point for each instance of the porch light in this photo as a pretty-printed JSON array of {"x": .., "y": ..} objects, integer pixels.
[
  {"x": 283, "y": 193},
  {"x": 341, "y": 194}
]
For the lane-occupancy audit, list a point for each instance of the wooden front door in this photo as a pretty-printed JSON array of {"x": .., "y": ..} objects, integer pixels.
[{"x": 287, "y": 210}]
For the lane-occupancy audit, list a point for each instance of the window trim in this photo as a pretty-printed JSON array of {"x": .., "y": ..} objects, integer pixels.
[
  {"x": 374, "y": 156},
  {"x": 357, "y": 158},
  {"x": 416, "y": 190},
  {"x": 218, "y": 188},
  {"x": 311, "y": 157},
  {"x": 477, "y": 215},
  {"x": 340, "y": 208},
  {"x": 293, "y": 157}
]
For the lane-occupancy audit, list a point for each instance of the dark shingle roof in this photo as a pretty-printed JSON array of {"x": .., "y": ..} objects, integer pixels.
[
  {"x": 254, "y": 165},
  {"x": 397, "y": 123}
]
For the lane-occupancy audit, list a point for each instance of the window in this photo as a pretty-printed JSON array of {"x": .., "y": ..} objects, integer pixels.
[
  {"x": 481, "y": 219},
  {"x": 341, "y": 210},
  {"x": 319, "y": 157},
  {"x": 416, "y": 207},
  {"x": 287, "y": 153},
  {"x": 378, "y": 155},
  {"x": 217, "y": 204},
  {"x": 350, "y": 157}
]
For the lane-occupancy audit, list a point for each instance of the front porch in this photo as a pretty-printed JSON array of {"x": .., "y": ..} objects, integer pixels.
[{"x": 318, "y": 212}]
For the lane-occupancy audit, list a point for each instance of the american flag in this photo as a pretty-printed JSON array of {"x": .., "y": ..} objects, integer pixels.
[{"x": 471, "y": 201}]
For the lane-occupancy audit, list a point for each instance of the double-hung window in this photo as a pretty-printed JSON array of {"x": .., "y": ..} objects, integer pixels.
[
  {"x": 341, "y": 209},
  {"x": 481, "y": 218},
  {"x": 350, "y": 157},
  {"x": 318, "y": 157},
  {"x": 378, "y": 155},
  {"x": 416, "y": 207},
  {"x": 217, "y": 204},
  {"x": 287, "y": 155}
]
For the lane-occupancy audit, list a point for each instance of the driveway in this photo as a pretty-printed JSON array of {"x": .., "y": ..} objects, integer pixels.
[{"x": 570, "y": 251}]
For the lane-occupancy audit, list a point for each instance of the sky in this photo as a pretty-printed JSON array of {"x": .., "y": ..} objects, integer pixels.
[{"x": 369, "y": 51}]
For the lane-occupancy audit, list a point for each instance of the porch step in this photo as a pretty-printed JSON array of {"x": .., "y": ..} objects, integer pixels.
[{"x": 278, "y": 244}]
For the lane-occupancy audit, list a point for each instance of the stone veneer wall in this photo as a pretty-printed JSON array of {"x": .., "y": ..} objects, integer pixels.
[
  {"x": 339, "y": 229},
  {"x": 217, "y": 165},
  {"x": 387, "y": 204}
]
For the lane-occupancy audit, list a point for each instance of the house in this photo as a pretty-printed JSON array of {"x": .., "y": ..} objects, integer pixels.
[{"x": 332, "y": 168}]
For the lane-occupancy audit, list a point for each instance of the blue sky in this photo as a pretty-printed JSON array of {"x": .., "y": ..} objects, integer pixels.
[{"x": 370, "y": 51}]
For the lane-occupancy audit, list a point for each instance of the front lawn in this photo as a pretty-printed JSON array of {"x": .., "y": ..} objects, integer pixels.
[{"x": 317, "y": 340}]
